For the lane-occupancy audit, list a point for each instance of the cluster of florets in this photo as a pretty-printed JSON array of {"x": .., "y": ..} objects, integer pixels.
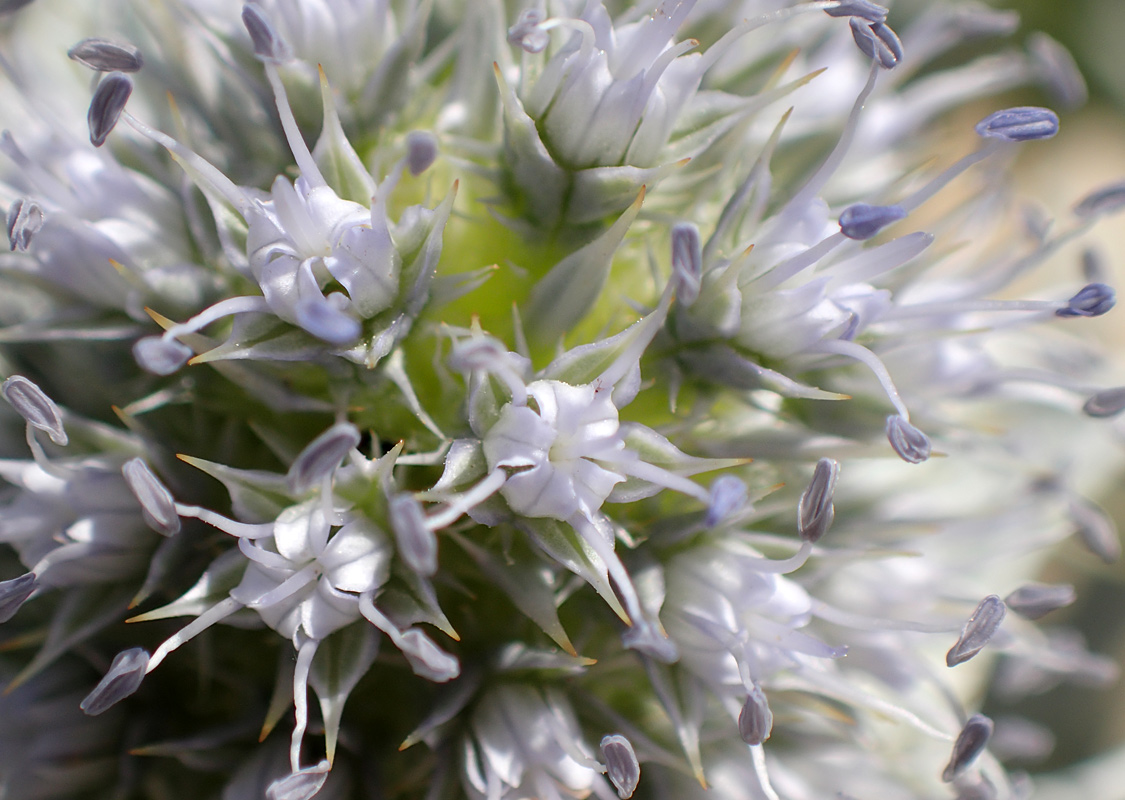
[{"x": 474, "y": 429}]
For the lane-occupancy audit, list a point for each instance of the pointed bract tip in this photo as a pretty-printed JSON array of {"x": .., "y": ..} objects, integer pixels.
[
  {"x": 37, "y": 409},
  {"x": 1021, "y": 124},
  {"x": 621, "y": 764},
  {"x": 123, "y": 678},
  {"x": 106, "y": 106},
  {"x": 911, "y": 445}
]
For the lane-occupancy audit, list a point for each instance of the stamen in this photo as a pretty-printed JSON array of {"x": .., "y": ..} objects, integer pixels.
[
  {"x": 426, "y": 658},
  {"x": 37, "y": 409},
  {"x": 102, "y": 55},
  {"x": 527, "y": 32},
  {"x": 911, "y": 444},
  {"x": 287, "y": 588},
  {"x": 858, "y": 8},
  {"x": 1058, "y": 71},
  {"x": 1103, "y": 201},
  {"x": 300, "y": 785},
  {"x": 727, "y": 495},
  {"x": 464, "y": 502},
  {"x": 25, "y": 218},
  {"x": 105, "y": 108},
  {"x": 161, "y": 355},
  {"x": 305, "y": 654},
  {"x": 621, "y": 764},
  {"x": 687, "y": 263},
  {"x": 755, "y": 721},
  {"x": 416, "y": 541},
  {"x": 1096, "y": 529},
  {"x": 979, "y": 629},
  {"x": 243, "y": 530},
  {"x": 421, "y": 151},
  {"x": 1093, "y": 300},
  {"x": 301, "y": 154},
  {"x": 123, "y": 679},
  {"x": 1106, "y": 403},
  {"x": 215, "y": 613},
  {"x": 157, "y": 504},
  {"x": 14, "y": 593},
  {"x": 815, "y": 512},
  {"x": 1022, "y": 124},
  {"x": 970, "y": 743},
  {"x": 322, "y": 456},
  {"x": 877, "y": 41},
  {"x": 862, "y": 221},
  {"x": 1037, "y": 600},
  {"x": 871, "y": 361},
  {"x": 268, "y": 44}
]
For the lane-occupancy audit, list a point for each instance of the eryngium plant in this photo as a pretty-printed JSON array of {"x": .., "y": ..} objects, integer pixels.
[{"x": 471, "y": 400}]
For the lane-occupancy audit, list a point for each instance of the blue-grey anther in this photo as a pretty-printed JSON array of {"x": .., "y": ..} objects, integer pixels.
[
  {"x": 862, "y": 221},
  {"x": 427, "y": 659},
  {"x": 1022, "y": 124},
  {"x": 268, "y": 44},
  {"x": 978, "y": 631},
  {"x": 1106, "y": 403},
  {"x": 621, "y": 764},
  {"x": 1103, "y": 201},
  {"x": 322, "y": 456},
  {"x": 970, "y": 743},
  {"x": 417, "y": 544},
  {"x": 14, "y": 592},
  {"x": 1037, "y": 600},
  {"x": 421, "y": 151},
  {"x": 161, "y": 356},
  {"x": 858, "y": 8},
  {"x": 1093, "y": 300},
  {"x": 12, "y": 6},
  {"x": 38, "y": 410},
  {"x": 25, "y": 218},
  {"x": 103, "y": 55},
  {"x": 105, "y": 108},
  {"x": 300, "y": 785},
  {"x": 815, "y": 512},
  {"x": 877, "y": 40},
  {"x": 687, "y": 262},
  {"x": 123, "y": 678},
  {"x": 1096, "y": 529},
  {"x": 527, "y": 33},
  {"x": 755, "y": 721},
  {"x": 727, "y": 495},
  {"x": 157, "y": 505},
  {"x": 1059, "y": 71},
  {"x": 911, "y": 444}
]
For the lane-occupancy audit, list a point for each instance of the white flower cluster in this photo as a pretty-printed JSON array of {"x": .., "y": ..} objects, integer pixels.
[{"x": 449, "y": 376}]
